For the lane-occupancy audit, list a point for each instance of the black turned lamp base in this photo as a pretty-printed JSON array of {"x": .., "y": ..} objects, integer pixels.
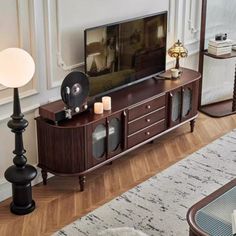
[
  {"x": 22, "y": 202},
  {"x": 20, "y": 174},
  {"x": 22, "y": 210}
]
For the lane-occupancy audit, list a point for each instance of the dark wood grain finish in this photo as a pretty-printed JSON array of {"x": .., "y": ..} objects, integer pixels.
[
  {"x": 146, "y": 120},
  {"x": 60, "y": 150},
  {"x": 146, "y": 133},
  {"x": 67, "y": 148},
  {"x": 51, "y": 110},
  {"x": 194, "y": 229},
  {"x": 91, "y": 160},
  {"x": 130, "y": 96},
  {"x": 146, "y": 107},
  {"x": 218, "y": 109},
  {"x": 193, "y": 88},
  {"x": 202, "y": 46},
  {"x": 234, "y": 92},
  {"x": 120, "y": 117}
]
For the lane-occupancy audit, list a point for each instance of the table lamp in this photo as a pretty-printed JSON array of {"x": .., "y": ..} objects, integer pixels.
[
  {"x": 178, "y": 51},
  {"x": 17, "y": 69}
]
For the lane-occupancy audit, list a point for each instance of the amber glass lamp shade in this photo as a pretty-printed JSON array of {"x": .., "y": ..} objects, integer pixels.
[{"x": 178, "y": 51}]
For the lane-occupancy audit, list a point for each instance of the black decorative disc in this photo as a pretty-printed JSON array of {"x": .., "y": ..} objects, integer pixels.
[{"x": 75, "y": 89}]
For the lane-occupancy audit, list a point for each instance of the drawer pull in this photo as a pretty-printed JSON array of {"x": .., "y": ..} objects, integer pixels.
[
  {"x": 147, "y": 133},
  {"x": 148, "y": 120},
  {"x": 148, "y": 107}
]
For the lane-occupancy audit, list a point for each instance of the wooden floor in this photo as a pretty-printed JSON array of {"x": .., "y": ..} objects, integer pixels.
[{"x": 59, "y": 203}]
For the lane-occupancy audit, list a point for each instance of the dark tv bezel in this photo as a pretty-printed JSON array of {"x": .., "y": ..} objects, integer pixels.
[{"x": 116, "y": 23}]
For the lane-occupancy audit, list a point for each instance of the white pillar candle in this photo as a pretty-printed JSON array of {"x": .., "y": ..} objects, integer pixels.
[
  {"x": 106, "y": 103},
  {"x": 98, "y": 108}
]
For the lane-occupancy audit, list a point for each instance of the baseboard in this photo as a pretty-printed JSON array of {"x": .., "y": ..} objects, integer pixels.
[{"x": 5, "y": 187}]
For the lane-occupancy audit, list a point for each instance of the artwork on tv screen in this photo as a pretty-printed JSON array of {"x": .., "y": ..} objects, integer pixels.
[{"x": 125, "y": 53}]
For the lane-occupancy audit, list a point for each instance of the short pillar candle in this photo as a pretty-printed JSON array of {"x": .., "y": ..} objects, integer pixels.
[
  {"x": 98, "y": 107},
  {"x": 106, "y": 103}
]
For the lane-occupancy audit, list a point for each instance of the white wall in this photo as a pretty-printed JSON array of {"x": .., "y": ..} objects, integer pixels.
[{"x": 52, "y": 31}]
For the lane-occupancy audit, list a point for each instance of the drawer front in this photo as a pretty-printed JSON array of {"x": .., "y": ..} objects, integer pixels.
[
  {"x": 146, "y": 121},
  {"x": 146, "y": 107},
  {"x": 146, "y": 133}
]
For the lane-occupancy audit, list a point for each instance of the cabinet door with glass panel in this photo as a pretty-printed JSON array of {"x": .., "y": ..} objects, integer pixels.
[
  {"x": 116, "y": 134},
  {"x": 189, "y": 101},
  {"x": 183, "y": 103},
  {"x": 175, "y": 97},
  {"x": 96, "y": 143},
  {"x": 105, "y": 139}
]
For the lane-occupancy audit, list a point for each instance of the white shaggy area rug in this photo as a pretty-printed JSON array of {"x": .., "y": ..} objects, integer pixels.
[
  {"x": 125, "y": 231},
  {"x": 159, "y": 205}
]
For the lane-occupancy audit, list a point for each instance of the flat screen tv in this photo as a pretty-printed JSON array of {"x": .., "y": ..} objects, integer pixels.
[{"x": 124, "y": 53}]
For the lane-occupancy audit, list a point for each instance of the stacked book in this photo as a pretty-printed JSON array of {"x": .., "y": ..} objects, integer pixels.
[{"x": 220, "y": 47}]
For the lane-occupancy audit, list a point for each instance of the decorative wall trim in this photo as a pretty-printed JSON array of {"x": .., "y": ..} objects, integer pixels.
[
  {"x": 172, "y": 17},
  {"x": 26, "y": 40},
  {"x": 57, "y": 67},
  {"x": 192, "y": 18},
  {"x": 2, "y": 87},
  {"x": 60, "y": 60},
  {"x": 25, "y": 110},
  {"x": 190, "y": 25}
]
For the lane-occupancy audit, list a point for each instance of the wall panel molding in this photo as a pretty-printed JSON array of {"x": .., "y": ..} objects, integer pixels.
[
  {"x": 26, "y": 40},
  {"x": 25, "y": 110},
  {"x": 57, "y": 68},
  {"x": 191, "y": 23}
]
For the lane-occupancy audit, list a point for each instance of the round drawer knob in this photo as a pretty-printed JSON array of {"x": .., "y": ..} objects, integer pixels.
[
  {"x": 77, "y": 109},
  {"x": 148, "y": 106},
  {"x": 147, "y": 133},
  {"x": 148, "y": 120}
]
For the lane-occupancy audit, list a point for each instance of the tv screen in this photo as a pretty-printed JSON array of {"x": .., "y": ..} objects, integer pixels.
[{"x": 120, "y": 54}]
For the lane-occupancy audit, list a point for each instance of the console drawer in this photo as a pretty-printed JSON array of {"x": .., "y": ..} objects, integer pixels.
[
  {"x": 146, "y": 133},
  {"x": 146, "y": 107},
  {"x": 146, "y": 120}
]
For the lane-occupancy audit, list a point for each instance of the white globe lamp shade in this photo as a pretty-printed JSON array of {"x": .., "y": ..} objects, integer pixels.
[{"x": 16, "y": 67}]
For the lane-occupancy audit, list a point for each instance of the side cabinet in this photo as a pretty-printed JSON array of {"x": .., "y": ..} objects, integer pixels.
[
  {"x": 105, "y": 138},
  {"x": 183, "y": 103}
]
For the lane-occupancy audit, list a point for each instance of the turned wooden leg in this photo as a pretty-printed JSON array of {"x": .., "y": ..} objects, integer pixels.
[
  {"x": 44, "y": 176},
  {"x": 82, "y": 182},
  {"x": 192, "y": 125}
]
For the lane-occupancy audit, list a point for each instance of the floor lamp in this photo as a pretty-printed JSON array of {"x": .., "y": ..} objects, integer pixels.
[{"x": 17, "y": 69}]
